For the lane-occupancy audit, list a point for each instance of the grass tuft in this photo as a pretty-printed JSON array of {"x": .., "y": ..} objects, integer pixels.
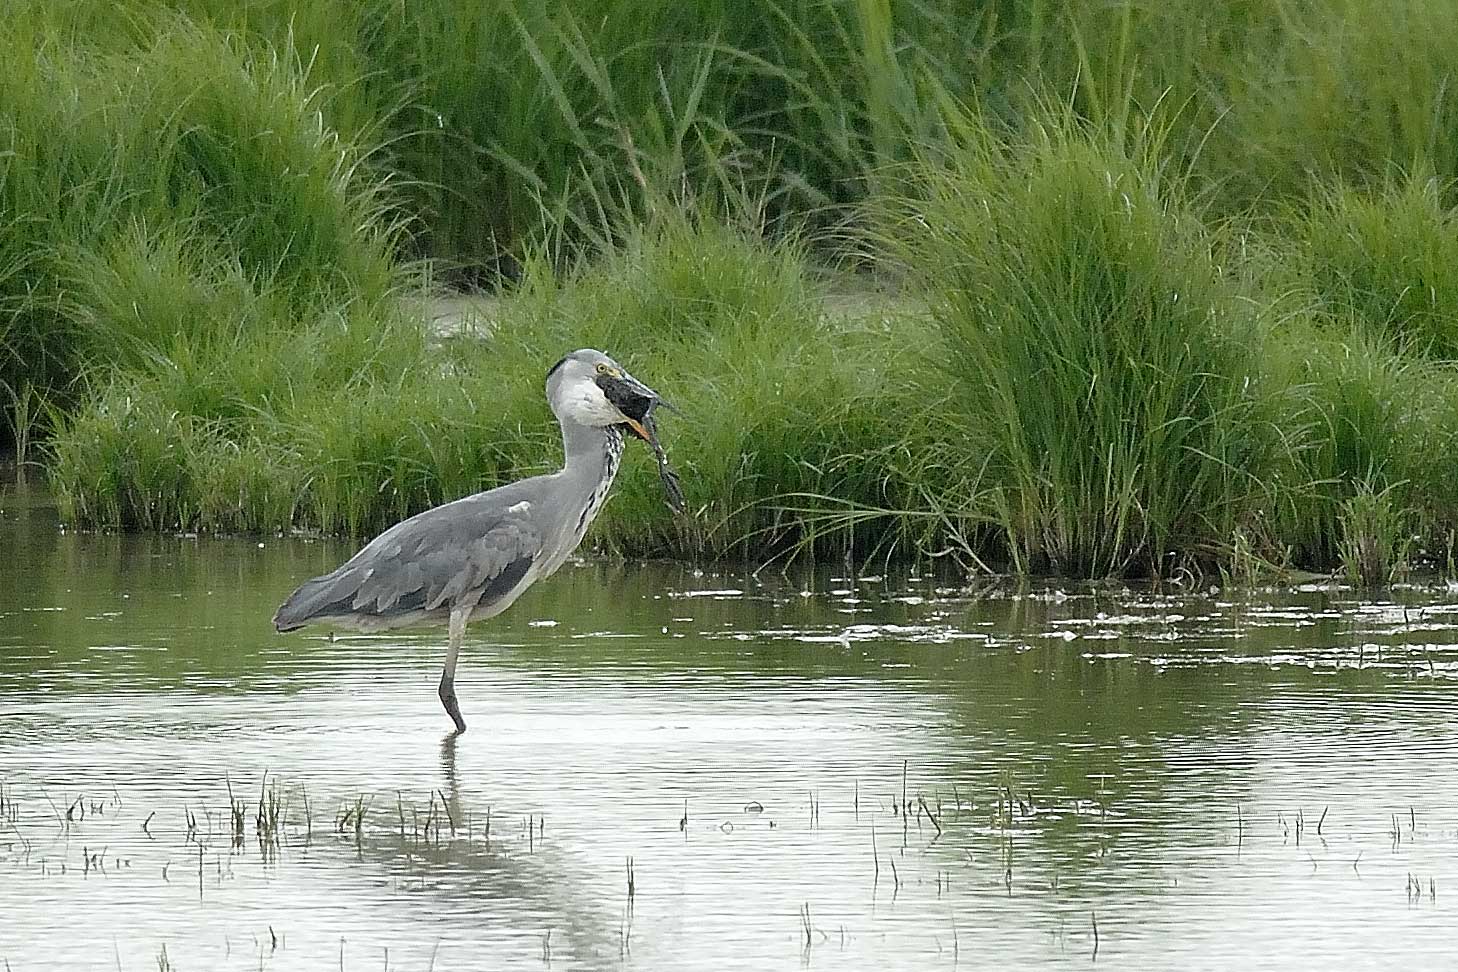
[
  {"x": 1374, "y": 537},
  {"x": 1097, "y": 376}
]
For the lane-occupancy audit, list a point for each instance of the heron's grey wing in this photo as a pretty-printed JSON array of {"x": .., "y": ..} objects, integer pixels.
[{"x": 453, "y": 553}]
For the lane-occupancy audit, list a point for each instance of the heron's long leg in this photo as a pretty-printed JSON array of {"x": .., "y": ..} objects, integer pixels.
[{"x": 448, "y": 673}]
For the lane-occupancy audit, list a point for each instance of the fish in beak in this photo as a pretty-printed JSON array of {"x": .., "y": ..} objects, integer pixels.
[
  {"x": 632, "y": 398},
  {"x": 637, "y": 403}
]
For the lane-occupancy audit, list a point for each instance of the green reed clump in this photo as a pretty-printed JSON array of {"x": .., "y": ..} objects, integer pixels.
[
  {"x": 125, "y": 460},
  {"x": 307, "y": 451},
  {"x": 1352, "y": 416},
  {"x": 486, "y": 111},
  {"x": 1097, "y": 376},
  {"x": 1268, "y": 94},
  {"x": 581, "y": 106},
  {"x": 206, "y": 253},
  {"x": 390, "y": 448},
  {"x": 1365, "y": 360},
  {"x": 1375, "y": 537},
  {"x": 584, "y": 108},
  {"x": 313, "y": 426},
  {"x": 1358, "y": 419},
  {"x": 176, "y": 204}
]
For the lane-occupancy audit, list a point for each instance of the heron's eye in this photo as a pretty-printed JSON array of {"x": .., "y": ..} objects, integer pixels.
[{"x": 602, "y": 369}]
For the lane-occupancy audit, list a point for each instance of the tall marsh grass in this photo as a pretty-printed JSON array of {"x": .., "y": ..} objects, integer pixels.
[
  {"x": 1382, "y": 260},
  {"x": 1365, "y": 418},
  {"x": 1178, "y": 289},
  {"x": 484, "y": 114},
  {"x": 772, "y": 399},
  {"x": 1098, "y": 377},
  {"x": 1375, "y": 537},
  {"x": 1365, "y": 354},
  {"x": 174, "y": 206}
]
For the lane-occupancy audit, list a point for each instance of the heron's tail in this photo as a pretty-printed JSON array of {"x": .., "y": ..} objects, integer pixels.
[{"x": 313, "y": 600}]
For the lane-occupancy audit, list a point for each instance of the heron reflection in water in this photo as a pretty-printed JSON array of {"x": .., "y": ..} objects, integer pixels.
[{"x": 472, "y": 558}]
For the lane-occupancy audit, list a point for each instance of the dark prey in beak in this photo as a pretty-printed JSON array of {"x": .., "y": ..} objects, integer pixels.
[
  {"x": 671, "y": 488},
  {"x": 638, "y": 402},
  {"x": 631, "y": 397}
]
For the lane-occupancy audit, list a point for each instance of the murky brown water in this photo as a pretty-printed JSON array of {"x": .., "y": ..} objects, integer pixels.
[{"x": 1262, "y": 781}]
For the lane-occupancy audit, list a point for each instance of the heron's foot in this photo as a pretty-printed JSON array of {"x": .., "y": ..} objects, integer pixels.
[{"x": 452, "y": 707}]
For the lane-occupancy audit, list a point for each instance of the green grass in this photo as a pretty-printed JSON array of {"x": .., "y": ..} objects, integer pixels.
[
  {"x": 481, "y": 113},
  {"x": 202, "y": 248},
  {"x": 774, "y": 400},
  {"x": 1347, "y": 90},
  {"x": 1365, "y": 353},
  {"x": 1174, "y": 282},
  {"x": 1385, "y": 261},
  {"x": 1100, "y": 404},
  {"x": 484, "y": 113},
  {"x": 1348, "y": 416},
  {"x": 176, "y": 205},
  {"x": 1375, "y": 537}
]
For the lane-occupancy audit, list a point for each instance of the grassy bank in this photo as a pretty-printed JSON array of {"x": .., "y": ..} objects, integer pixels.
[
  {"x": 774, "y": 398},
  {"x": 1174, "y": 284}
]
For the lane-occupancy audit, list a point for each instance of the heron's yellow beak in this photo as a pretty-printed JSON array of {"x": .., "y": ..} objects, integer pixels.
[{"x": 638, "y": 429}]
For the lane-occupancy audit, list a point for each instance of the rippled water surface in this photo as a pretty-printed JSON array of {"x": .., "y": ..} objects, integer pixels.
[{"x": 674, "y": 770}]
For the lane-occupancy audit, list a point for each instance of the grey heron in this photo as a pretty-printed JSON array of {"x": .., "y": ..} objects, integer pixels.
[{"x": 471, "y": 558}]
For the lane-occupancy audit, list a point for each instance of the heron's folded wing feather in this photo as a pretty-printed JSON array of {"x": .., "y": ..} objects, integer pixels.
[
  {"x": 422, "y": 564},
  {"x": 442, "y": 559}
]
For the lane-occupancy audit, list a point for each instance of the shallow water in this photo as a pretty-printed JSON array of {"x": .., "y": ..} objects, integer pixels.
[{"x": 1212, "y": 781}]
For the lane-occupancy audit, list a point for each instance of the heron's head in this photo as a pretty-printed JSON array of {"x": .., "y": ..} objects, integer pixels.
[{"x": 591, "y": 388}]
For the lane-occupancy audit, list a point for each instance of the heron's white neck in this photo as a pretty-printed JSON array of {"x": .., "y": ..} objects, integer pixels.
[{"x": 592, "y": 455}]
